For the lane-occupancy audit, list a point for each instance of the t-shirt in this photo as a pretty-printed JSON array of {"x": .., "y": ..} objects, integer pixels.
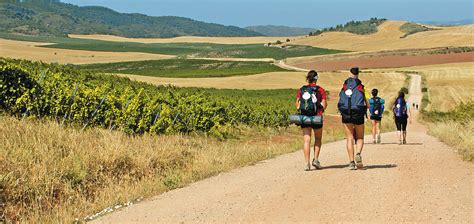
[{"x": 321, "y": 92}]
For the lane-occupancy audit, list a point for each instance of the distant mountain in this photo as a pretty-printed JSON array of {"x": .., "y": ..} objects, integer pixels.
[
  {"x": 280, "y": 31},
  {"x": 450, "y": 23},
  {"x": 51, "y": 17}
]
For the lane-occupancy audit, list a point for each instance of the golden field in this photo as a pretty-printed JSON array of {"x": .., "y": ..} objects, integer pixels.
[
  {"x": 388, "y": 38},
  {"x": 34, "y": 51}
]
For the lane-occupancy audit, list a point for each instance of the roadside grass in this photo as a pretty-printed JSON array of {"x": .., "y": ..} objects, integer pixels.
[
  {"x": 200, "y": 50},
  {"x": 56, "y": 174},
  {"x": 185, "y": 68},
  {"x": 52, "y": 174},
  {"x": 455, "y": 128}
]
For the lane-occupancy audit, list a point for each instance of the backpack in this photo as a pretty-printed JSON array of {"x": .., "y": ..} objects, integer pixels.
[
  {"x": 310, "y": 100},
  {"x": 400, "y": 108},
  {"x": 352, "y": 99},
  {"x": 376, "y": 108}
]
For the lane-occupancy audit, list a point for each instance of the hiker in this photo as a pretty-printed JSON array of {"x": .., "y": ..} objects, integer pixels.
[
  {"x": 353, "y": 102},
  {"x": 377, "y": 106},
  {"x": 416, "y": 106},
  {"x": 401, "y": 113},
  {"x": 311, "y": 101}
]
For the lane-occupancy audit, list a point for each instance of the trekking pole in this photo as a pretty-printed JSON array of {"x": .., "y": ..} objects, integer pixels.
[
  {"x": 175, "y": 118},
  {"x": 95, "y": 112},
  {"x": 157, "y": 115}
]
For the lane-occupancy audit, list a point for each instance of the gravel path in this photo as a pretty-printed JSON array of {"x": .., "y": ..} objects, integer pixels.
[{"x": 423, "y": 181}]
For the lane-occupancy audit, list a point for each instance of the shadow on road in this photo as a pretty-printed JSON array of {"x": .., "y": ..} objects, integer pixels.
[
  {"x": 394, "y": 143},
  {"x": 335, "y": 167},
  {"x": 368, "y": 167},
  {"x": 386, "y": 166}
]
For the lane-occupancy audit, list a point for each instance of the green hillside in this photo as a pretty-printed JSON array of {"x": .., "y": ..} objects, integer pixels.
[
  {"x": 356, "y": 27},
  {"x": 280, "y": 31},
  {"x": 53, "y": 18}
]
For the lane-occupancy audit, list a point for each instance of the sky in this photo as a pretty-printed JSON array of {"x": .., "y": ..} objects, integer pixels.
[{"x": 300, "y": 13}]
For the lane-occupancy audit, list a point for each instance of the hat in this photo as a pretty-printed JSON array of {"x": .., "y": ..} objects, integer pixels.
[{"x": 355, "y": 71}]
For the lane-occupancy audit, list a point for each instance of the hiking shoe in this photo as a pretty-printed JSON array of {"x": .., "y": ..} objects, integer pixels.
[
  {"x": 358, "y": 160},
  {"x": 404, "y": 141},
  {"x": 400, "y": 142},
  {"x": 316, "y": 164},
  {"x": 307, "y": 167},
  {"x": 379, "y": 139},
  {"x": 374, "y": 142},
  {"x": 352, "y": 166}
]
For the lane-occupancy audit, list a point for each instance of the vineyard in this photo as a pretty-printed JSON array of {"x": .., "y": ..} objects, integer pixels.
[{"x": 86, "y": 99}]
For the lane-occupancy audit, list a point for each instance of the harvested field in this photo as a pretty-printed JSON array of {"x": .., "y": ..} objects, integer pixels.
[
  {"x": 448, "y": 84},
  {"x": 394, "y": 61},
  {"x": 33, "y": 51},
  {"x": 187, "y": 39},
  {"x": 388, "y": 38}
]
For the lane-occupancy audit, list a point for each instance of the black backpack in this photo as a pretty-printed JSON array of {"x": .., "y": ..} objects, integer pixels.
[
  {"x": 310, "y": 100},
  {"x": 352, "y": 99},
  {"x": 376, "y": 107}
]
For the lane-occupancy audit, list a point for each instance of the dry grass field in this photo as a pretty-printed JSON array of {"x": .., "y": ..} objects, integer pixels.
[
  {"x": 448, "y": 84},
  {"x": 388, "y": 38},
  {"x": 33, "y": 51},
  {"x": 187, "y": 39}
]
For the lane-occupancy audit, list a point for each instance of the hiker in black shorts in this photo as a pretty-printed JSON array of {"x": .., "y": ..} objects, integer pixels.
[
  {"x": 353, "y": 103},
  {"x": 311, "y": 101},
  {"x": 377, "y": 106}
]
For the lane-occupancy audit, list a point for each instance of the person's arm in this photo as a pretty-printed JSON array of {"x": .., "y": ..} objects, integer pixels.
[
  {"x": 298, "y": 97},
  {"x": 324, "y": 103}
]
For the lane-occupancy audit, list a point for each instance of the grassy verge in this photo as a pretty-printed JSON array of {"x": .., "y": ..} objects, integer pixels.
[
  {"x": 454, "y": 127},
  {"x": 201, "y": 50},
  {"x": 185, "y": 68},
  {"x": 53, "y": 174}
]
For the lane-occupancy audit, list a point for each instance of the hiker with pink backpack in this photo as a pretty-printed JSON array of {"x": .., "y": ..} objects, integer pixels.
[{"x": 401, "y": 113}]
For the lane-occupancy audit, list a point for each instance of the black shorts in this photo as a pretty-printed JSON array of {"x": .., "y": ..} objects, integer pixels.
[
  {"x": 375, "y": 118},
  {"x": 401, "y": 123},
  {"x": 353, "y": 120},
  {"x": 313, "y": 126}
]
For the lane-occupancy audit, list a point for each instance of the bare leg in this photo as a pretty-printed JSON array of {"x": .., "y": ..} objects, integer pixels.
[
  {"x": 378, "y": 124},
  {"x": 360, "y": 137},
  {"x": 349, "y": 130},
  {"x": 399, "y": 133},
  {"x": 374, "y": 130},
  {"x": 307, "y": 142},
  {"x": 404, "y": 136},
  {"x": 318, "y": 135}
]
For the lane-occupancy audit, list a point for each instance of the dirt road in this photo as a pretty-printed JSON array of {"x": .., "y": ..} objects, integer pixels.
[{"x": 423, "y": 181}]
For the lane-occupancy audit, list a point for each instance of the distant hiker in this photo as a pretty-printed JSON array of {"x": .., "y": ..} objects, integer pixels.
[
  {"x": 401, "y": 112},
  {"x": 353, "y": 102},
  {"x": 416, "y": 106},
  {"x": 311, "y": 101},
  {"x": 377, "y": 106}
]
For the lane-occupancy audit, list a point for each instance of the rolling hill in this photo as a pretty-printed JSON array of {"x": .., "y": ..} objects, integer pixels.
[
  {"x": 51, "y": 17},
  {"x": 389, "y": 37},
  {"x": 280, "y": 31}
]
